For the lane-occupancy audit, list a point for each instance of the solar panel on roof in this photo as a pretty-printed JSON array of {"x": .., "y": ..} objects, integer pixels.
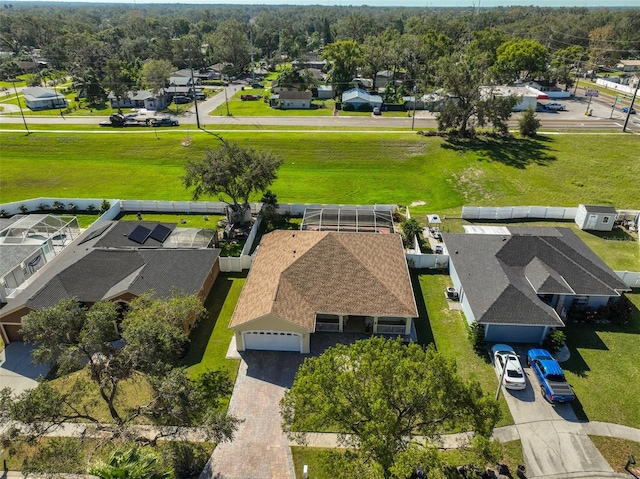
[
  {"x": 160, "y": 233},
  {"x": 139, "y": 234}
]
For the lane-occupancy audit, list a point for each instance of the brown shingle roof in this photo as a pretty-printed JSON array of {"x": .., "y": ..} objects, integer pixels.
[{"x": 297, "y": 274}]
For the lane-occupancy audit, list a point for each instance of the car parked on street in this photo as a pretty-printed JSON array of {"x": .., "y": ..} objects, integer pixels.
[
  {"x": 625, "y": 109},
  {"x": 503, "y": 356},
  {"x": 553, "y": 106},
  {"x": 166, "y": 121},
  {"x": 181, "y": 100}
]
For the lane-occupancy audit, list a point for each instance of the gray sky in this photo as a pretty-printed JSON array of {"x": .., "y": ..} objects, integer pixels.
[{"x": 405, "y": 3}]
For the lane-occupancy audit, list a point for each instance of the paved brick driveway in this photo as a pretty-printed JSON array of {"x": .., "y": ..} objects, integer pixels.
[{"x": 259, "y": 449}]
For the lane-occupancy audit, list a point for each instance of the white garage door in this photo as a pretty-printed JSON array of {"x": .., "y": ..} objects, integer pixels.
[{"x": 272, "y": 340}]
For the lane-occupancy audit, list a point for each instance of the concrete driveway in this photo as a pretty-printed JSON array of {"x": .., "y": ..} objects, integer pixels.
[
  {"x": 554, "y": 442},
  {"x": 17, "y": 370}
]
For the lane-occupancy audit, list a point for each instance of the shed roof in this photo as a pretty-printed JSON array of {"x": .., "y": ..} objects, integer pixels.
[
  {"x": 297, "y": 274},
  {"x": 295, "y": 95},
  {"x": 600, "y": 209}
]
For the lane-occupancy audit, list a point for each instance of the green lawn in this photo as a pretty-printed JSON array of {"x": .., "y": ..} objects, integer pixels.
[
  {"x": 237, "y": 107},
  {"x": 448, "y": 331},
  {"x": 311, "y": 456},
  {"x": 192, "y": 220},
  {"x": 616, "y": 451},
  {"x": 356, "y": 168},
  {"x": 603, "y": 369},
  {"x": 210, "y": 340}
]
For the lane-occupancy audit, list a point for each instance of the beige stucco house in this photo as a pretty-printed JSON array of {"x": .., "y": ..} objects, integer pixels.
[{"x": 303, "y": 282}]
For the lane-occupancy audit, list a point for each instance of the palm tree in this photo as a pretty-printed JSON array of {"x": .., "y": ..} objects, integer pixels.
[{"x": 132, "y": 463}]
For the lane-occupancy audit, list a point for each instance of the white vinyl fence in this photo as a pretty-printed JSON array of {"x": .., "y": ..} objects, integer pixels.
[
  {"x": 518, "y": 212},
  {"x": 630, "y": 278},
  {"x": 615, "y": 86},
  {"x": 427, "y": 261}
]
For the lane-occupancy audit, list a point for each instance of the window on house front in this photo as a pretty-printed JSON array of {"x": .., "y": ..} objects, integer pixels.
[{"x": 605, "y": 219}]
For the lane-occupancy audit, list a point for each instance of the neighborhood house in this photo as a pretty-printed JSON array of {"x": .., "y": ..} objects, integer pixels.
[
  {"x": 291, "y": 100},
  {"x": 118, "y": 261},
  {"x": 38, "y": 98},
  {"x": 359, "y": 100},
  {"x": 303, "y": 282},
  {"x": 520, "y": 282}
]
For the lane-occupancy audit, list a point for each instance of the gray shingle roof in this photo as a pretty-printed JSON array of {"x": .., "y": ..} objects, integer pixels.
[
  {"x": 600, "y": 209},
  {"x": 91, "y": 272},
  {"x": 502, "y": 275}
]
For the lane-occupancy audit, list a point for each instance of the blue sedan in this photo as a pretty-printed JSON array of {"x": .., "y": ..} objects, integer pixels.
[{"x": 625, "y": 109}]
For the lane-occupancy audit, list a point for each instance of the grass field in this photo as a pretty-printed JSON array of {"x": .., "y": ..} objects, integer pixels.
[
  {"x": 335, "y": 168},
  {"x": 616, "y": 451},
  {"x": 237, "y": 107},
  {"x": 311, "y": 456}
]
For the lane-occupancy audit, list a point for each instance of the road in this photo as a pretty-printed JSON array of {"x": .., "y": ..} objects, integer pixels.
[{"x": 602, "y": 118}]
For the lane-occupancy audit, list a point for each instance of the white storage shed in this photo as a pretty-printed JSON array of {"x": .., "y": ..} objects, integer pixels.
[{"x": 596, "y": 218}]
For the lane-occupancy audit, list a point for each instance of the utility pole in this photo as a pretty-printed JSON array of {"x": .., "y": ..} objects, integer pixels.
[
  {"x": 253, "y": 69},
  {"x": 415, "y": 99},
  {"x": 24, "y": 120},
  {"x": 633, "y": 99},
  {"x": 193, "y": 87}
]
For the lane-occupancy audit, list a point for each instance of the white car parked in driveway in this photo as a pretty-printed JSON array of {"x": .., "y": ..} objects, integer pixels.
[{"x": 514, "y": 377}]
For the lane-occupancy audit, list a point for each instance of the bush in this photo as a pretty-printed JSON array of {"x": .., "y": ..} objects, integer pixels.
[
  {"x": 91, "y": 208},
  {"x": 410, "y": 228},
  {"x": 104, "y": 206},
  {"x": 58, "y": 206},
  {"x": 529, "y": 124},
  {"x": 618, "y": 312},
  {"x": 476, "y": 336},
  {"x": 23, "y": 209},
  {"x": 72, "y": 207},
  {"x": 554, "y": 341},
  {"x": 43, "y": 207}
]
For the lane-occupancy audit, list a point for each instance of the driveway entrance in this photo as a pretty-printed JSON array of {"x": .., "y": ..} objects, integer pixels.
[
  {"x": 259, "y": 448},
  {"x": 554, "y": 442},
  {"x": 17, "y": 369}
]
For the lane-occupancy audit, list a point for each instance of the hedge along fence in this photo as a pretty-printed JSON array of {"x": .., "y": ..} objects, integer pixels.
[
  {"x": 37, "y": 205},
  {"x": 194, "y": 207},
  {"x": 518, "y": 212}
]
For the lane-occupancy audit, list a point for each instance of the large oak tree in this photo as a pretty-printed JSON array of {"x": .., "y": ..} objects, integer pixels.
[
  {"x": 145, "y": 346},
  {"x": 234, "y": 172},
  {"x": 380, "y": 393}
]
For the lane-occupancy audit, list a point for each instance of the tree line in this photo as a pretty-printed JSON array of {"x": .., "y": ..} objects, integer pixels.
[{"x": 121, "y": 48}]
